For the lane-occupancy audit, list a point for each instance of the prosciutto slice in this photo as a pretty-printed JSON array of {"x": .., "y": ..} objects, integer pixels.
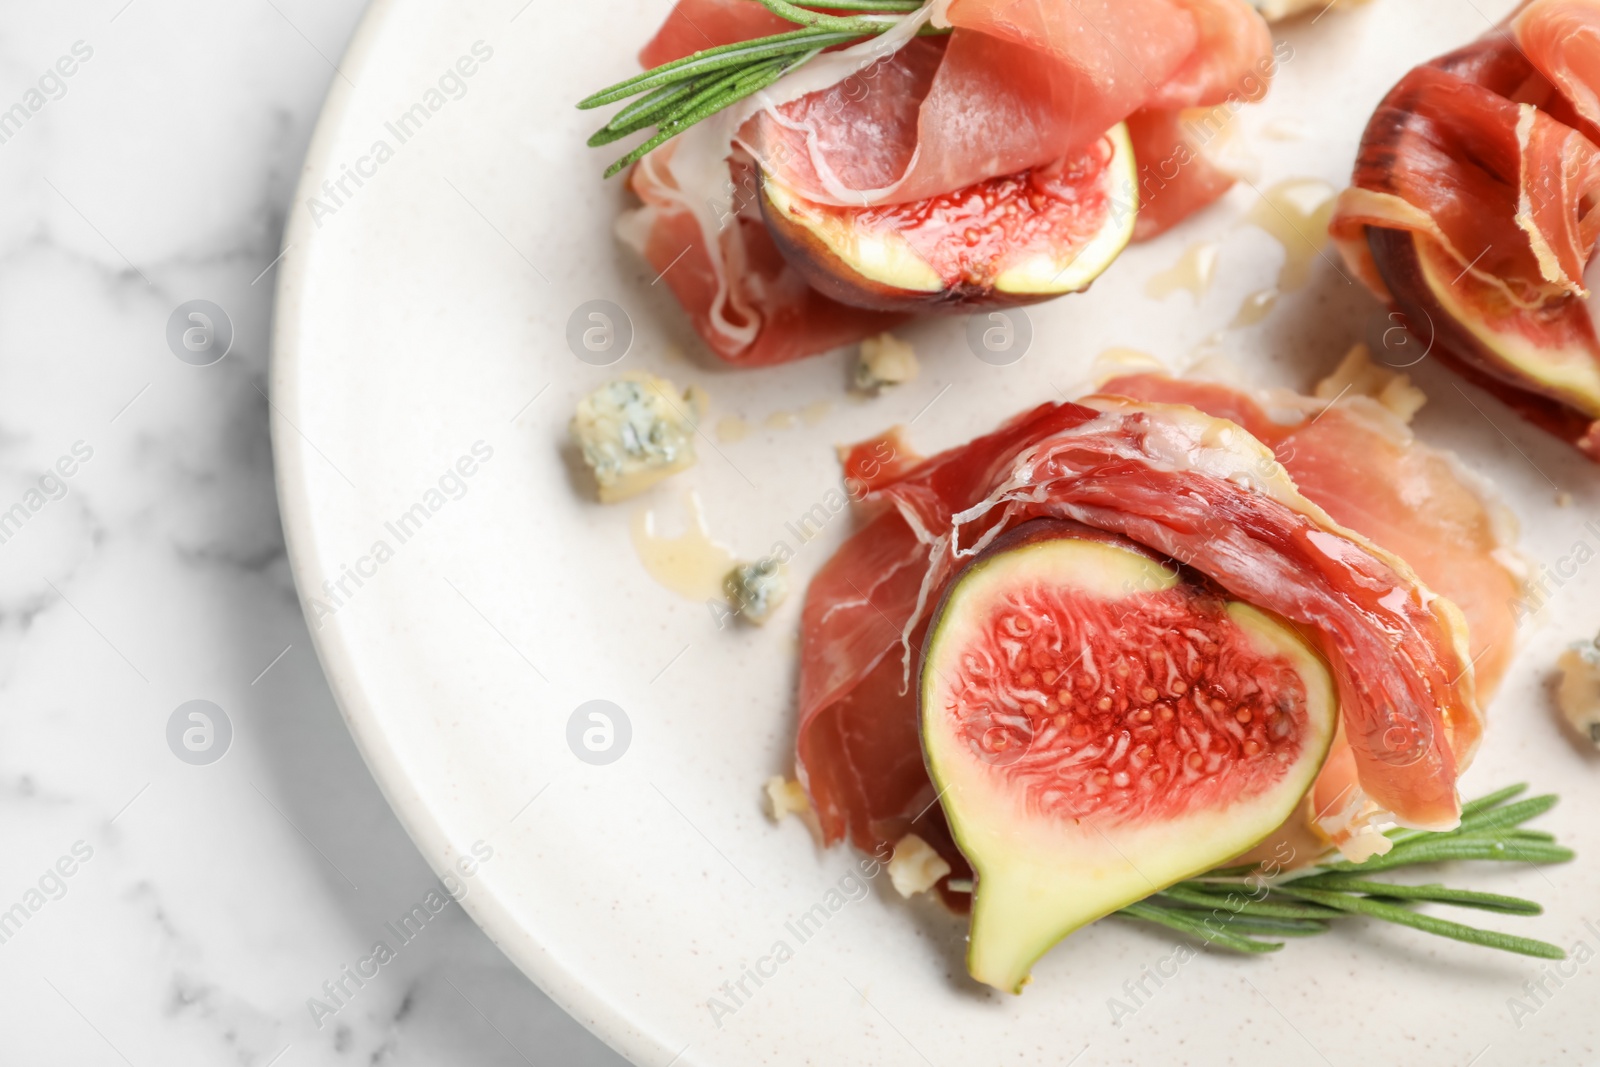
[
  {"x": 1458, "y": 153},
  {"x": 1015, "y": 85},
  {"x": 1176, "y": 178},
  {"x": 745, "y": 300},
  {"x": 1487, "y": 158},
  {"x": 1151, "y": 465},
  {"x": 1361, "y": 464}
]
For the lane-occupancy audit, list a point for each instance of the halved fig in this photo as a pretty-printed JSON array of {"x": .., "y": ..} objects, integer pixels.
[
  {"x": 1016, "y": 239},
  {"x": 1543, "y": 361},
  {"x": 1473, "y": 210},
  {"x": 1100, "y": 725}
]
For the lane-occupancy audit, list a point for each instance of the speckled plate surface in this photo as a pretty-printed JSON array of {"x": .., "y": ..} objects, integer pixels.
[{"x": 467, "y": 596}]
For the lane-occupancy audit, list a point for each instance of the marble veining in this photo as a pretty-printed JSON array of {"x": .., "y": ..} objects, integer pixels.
[{"x": 207, "y": 903}]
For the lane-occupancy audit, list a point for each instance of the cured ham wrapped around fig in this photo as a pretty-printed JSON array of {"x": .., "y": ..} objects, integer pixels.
[
  {"x": 1472, "y": 211},
  {"x": 980, "y": 153},
  {"x": 1284, "y": 504}
]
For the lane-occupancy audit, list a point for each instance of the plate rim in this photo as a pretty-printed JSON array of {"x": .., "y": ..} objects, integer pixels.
[{"x": 600, "y": 1015}]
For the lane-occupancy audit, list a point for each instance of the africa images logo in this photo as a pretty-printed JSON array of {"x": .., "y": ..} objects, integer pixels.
[{"x": 337, "y": 191}]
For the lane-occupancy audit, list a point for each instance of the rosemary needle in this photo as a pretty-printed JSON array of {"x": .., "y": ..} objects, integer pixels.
[
  {"x": 1510, "y": 815},
  {"x": 901, "y": 7},
  {"x": 706, "y": 102},
  {"x": 712, "y": 60},
  {"x": 1379, "y": 909},
  {"x": 1184, "y": 922},
  {"x": 1466, "y": 848},
  {"x": 683, "y": 92},
  {"x": 1493, "y": 800},
  {"x": 637, "y": 115},
  {"x": 1184, "y": 893},
  {"x": 1438, "y": 894}
]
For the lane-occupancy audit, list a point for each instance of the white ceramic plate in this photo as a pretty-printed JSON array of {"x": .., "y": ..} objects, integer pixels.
[{"x": 423, "y": 313}]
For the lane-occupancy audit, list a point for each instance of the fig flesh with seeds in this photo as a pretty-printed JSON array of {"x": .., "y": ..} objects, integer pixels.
[
  {"x": 1010, "y": 240},
  {"x": 1101, "y": 724}
]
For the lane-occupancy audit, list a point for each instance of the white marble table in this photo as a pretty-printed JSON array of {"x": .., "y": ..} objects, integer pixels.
[{"x": 153, "y": 911}]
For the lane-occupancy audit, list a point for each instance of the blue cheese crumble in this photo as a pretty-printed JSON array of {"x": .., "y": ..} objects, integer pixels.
[
  {"x": 757, "y": 589},
  {"x": 1578, "y": 692},
  {"x": 634, "y": 432},
  {"x": 883, "y": 361}
]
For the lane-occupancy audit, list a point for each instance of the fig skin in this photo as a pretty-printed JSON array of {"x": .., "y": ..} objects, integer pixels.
[
  {"x": 828, "y": 273},
  {"x": 1490, "y": 63},
  {"x": 1454, "y": 344}
]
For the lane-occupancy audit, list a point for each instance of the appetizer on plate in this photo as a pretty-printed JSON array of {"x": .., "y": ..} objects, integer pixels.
[
  {"x": 1471, "y": 212},
  {"x": 815, "y": 176},
  {"x": 1119, "y": 642}
]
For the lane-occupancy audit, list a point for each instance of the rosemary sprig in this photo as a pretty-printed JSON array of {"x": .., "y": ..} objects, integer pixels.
[
  {"x": 686, "y": 91},
  {"x": 1223, "y": 910}
]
